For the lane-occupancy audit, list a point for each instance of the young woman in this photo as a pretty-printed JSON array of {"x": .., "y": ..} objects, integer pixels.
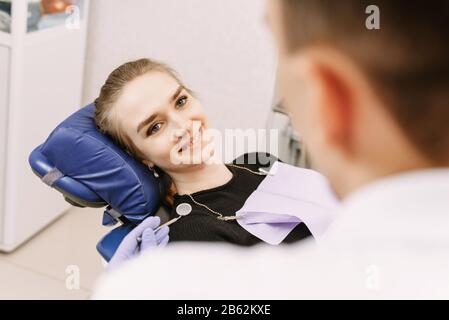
[{"x": 149, "y": 112}]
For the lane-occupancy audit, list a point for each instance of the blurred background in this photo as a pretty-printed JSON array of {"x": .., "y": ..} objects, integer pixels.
[{"x": 54, "y": 57}]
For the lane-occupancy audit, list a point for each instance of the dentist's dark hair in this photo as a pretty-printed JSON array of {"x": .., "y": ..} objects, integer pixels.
[
  {"x": 107, "y": 123},
  {"x": 406, "y": 60}
]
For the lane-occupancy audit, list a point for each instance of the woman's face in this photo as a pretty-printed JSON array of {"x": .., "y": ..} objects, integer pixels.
[{"x": 163, "y": 120}]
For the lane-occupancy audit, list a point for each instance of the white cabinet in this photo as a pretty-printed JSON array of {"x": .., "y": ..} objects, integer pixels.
[
  {"x": 4, "y": 62},
  {"x": 41, "y": 74}
]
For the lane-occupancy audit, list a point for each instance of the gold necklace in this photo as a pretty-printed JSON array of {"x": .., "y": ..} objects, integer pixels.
[{"x": 262, "y": 172}]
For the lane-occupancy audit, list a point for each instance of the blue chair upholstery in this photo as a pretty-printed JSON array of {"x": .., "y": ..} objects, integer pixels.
[
  {"x": 110, "y": 242},
  {"x": 91, "y": 171}
]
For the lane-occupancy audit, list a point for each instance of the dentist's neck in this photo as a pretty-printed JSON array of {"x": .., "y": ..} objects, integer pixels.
[{"x": 201, "y": 177}]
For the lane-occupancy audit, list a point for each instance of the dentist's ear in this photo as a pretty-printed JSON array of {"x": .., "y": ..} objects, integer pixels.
[{"x": 334, "y": 93}]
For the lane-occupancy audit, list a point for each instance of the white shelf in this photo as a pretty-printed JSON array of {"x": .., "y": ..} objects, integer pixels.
[
  {"x": 41, "y": 35},
  {"x": 48, "y": 34}
]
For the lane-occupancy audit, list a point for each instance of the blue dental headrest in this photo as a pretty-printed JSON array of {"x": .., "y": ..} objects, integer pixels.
[{"x": 91, "y": 171}]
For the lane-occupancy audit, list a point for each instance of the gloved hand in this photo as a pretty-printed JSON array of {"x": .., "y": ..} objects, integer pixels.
[{"x": 130, "y": 246}]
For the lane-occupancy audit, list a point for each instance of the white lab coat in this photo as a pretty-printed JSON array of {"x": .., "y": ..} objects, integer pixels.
[{"x": 390, "y": 240}]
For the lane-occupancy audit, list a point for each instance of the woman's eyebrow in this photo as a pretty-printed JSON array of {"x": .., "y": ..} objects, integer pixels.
[{"x": 153, "y": 116}]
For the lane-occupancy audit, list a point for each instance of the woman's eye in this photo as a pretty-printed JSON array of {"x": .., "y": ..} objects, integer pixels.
[
  {"x": 181, "y": 101},
  {"x": 154, "y": 129}
]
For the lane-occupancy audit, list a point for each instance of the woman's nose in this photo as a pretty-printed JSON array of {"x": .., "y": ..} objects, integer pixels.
[
  {"x": 180, "y": 134},
  {"x": 182, "y": 127}
]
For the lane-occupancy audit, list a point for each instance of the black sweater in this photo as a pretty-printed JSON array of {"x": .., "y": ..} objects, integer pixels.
[{"x": 203, "y": 225}]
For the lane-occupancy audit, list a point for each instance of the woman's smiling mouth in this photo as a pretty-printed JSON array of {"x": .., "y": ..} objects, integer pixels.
[{"x": 192, "y": 142}]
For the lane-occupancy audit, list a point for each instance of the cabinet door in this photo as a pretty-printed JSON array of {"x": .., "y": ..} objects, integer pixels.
[{"x": 4, "y": 76}]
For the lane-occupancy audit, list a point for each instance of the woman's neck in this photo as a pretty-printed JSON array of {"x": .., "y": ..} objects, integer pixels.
[{"x": 201, "y": 177}]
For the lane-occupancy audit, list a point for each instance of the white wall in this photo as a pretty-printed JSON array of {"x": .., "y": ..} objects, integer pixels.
[{"x": 221, "y": 48}]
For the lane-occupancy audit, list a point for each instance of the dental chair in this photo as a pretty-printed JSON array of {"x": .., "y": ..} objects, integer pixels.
[{"x": 89, "y": 170}]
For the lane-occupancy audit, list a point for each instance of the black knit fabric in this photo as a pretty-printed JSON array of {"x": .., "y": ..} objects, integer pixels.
[{"x": 203, "y": 225}]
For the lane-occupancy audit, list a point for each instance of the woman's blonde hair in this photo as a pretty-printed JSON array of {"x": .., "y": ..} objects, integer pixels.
[{"x": 104, "y": 111}]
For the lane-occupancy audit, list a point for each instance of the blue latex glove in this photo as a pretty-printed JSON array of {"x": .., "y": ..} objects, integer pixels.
[{"x": 130, "y": 246}]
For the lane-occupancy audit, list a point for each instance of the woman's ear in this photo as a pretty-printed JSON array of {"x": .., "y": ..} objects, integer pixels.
[{"x": 148, "y": 163}]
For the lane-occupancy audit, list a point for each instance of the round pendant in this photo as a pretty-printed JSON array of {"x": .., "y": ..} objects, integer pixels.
[{"x": 183, "y": 209}]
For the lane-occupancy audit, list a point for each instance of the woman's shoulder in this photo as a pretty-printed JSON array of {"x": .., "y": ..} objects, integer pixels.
[{"x": 255, "y": 160}]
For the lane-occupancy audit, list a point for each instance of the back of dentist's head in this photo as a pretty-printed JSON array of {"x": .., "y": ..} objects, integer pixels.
[{"x": 367, "y": 86}]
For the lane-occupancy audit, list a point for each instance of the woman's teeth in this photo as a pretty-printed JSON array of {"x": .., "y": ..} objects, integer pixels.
[{"x": 192, "y": 142}]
